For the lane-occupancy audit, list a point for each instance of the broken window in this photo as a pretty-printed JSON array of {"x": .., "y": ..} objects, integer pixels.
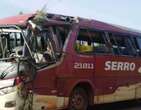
[
  {"x": 47, "y": 45},
  {"x": 11, "y": 43},
  {"x": 89, "y": 41},
  {"x": 122, "y": 45},
  {"x": 137, "y": 43}
]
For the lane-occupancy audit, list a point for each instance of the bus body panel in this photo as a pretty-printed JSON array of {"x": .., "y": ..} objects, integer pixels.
[{"x": 116, "y": 80}]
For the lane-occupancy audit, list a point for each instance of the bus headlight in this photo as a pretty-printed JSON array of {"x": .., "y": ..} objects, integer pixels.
[{"x": 10, "y": 104}]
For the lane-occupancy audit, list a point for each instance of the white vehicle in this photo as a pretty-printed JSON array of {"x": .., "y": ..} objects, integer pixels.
[
  {"x": 11, "y": 47},
  {"x": 12, "y": 41},
  {"x": 7, "y": 94}
]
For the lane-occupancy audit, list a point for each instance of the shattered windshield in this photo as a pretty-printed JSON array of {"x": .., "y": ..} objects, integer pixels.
[{"x": 47, "y": 45}]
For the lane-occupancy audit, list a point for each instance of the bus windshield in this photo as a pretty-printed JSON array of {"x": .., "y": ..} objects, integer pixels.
[{"x": 46, "y": 46}]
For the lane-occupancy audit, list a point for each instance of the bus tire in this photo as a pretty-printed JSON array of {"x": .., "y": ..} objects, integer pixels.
[{"x": 78, "y": 99}]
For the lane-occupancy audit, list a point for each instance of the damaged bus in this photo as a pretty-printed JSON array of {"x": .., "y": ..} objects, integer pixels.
[{"x": 70, "y": 62}]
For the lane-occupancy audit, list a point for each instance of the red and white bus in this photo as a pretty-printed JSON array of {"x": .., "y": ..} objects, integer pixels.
[{"x": 74, "y": 63}]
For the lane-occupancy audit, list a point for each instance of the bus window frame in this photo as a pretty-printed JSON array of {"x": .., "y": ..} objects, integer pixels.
[
  {"x": 93, "y": 30},
  {"x": 138, "y": 50},
  {"x": 113, "y": 34},
  {"x": 74, "y": 44}
]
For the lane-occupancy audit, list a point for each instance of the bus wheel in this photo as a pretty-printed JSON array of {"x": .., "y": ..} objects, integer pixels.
[{"x": 78, "y": 100}]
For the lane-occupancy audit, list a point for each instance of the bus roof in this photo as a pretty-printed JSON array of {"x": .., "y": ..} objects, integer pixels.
[
  {"x": 22, "y": 20},
  {"x": 113, "y": 28},
  {"x": 16, "y": 20}
]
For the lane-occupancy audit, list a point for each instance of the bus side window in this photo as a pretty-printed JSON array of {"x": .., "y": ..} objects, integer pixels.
[
  {"x": 90, "y": 41},
  {"x": 121, "y": 42},
  {"x": 83, "y": 43},
  {"x": 130, "y": 46},
  {"x": 122, "y": 45},
  {"x": 100, "y": 45},
  {"x": 138, "y": 45},
  {"x": 114, "y": 44}
]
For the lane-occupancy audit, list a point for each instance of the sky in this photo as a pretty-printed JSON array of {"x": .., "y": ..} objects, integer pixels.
[{"x": 121, "y": 12}]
